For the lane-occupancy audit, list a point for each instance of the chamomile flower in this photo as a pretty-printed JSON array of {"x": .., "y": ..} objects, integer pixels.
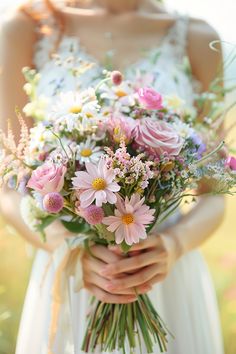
[
  {"x": 75, "y": 111},
  {"x": 88, "y": 152},
  {"x": 122, "y": 93}
]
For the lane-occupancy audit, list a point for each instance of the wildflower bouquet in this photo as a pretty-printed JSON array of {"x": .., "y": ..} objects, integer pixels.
[{"x": 111, "y": 162}]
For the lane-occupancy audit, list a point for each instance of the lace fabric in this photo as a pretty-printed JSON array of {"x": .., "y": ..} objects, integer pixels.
[{"x": 166, "y": 61}]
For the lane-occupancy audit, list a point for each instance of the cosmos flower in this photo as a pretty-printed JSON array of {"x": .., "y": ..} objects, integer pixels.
[
  {"x": 97, "y": 184},
  {"x": 130, "y": 220}
]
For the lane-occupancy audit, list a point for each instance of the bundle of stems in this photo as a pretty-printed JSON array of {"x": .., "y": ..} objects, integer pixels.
[{"x": 125, "y": 327}]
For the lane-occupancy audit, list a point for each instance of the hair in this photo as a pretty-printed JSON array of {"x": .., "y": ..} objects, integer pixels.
[{"x": 37, "y": 16}]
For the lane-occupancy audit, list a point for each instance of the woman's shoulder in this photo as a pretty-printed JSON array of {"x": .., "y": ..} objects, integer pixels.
[
  {"x": 17, "y": 27},
  {"x": 204, "y": 49}
]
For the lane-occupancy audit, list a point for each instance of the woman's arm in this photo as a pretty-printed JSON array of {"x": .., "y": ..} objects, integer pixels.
[{"x": 17, "y": 38}]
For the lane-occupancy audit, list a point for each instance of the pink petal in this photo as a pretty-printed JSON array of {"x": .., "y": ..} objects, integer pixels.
[
  {"x": 100, "y": 197},
  {"x": 120, "y": 204},
  {"x": 128, "y": 235},
  {"x": 120, "y": 234},
  {"x": 87, "y": 197},
  {"x": 81, "y": 183},
  {"x": 109, "y": 176},
  {"x": 114, "y": 226},
  {"x": 111, "y": 197},
  {"x": 129, "y": 209},
  {"x": 114, "y": 187},
  {"x": 92, "y": 170},
  {"x": 102, "y": 168},
  {"x": 108, "y": 220}
]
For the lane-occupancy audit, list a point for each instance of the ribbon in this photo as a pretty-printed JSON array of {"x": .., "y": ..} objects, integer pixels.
[{"x": 67, "y": 263}]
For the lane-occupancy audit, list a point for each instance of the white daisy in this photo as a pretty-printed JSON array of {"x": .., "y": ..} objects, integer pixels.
[
  {"x": 88, "y": 152},
  {"x": 123, "y": 93},
  {"x": 76, "y": 111},
  {"x": 184, "y": 130}
]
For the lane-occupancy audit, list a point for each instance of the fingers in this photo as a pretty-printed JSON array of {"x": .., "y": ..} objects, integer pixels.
[
  {"x": 103, "y": 296},
  {"x": 104, "y": 254},
  {"x": 106, "y": 285},
  {"x": 138, "y": 279},
  {"x": 132, "y": 263}
]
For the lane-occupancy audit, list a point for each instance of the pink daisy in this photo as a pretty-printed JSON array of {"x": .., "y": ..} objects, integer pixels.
[
  {"x": 97, "y": 184},
  {"x": 130, "y": 220}
]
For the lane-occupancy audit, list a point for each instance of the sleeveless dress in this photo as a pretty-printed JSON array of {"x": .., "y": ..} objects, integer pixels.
[{"x": 185, "y": 299}]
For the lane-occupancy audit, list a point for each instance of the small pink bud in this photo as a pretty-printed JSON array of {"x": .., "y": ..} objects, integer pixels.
[
  {"x": 42, "y": 156},
  {"x": 116, "y": 77},
  {"x": 53, "y": 202},
  {"x": 93, "y": 214},
  {"x": 231, "y": 163}
]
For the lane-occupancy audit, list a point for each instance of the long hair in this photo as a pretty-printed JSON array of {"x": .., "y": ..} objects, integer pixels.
[{"x": 37, "y": 16}]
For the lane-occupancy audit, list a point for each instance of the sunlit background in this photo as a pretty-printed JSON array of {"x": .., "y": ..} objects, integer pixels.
[{"x": 16, "y": 257}]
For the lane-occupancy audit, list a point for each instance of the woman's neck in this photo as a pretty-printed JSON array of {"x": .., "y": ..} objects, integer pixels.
[
  {"x": 90, "y": 8},
  {"x": 120, "y": 6},
  {"x": 111, "y": 6}
]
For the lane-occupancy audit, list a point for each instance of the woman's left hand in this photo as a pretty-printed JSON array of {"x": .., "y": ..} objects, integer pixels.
[{"x": 147, "y": 263}]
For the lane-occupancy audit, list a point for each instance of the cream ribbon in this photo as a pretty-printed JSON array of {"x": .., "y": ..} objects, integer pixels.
[{"x": 67, "y": 262}]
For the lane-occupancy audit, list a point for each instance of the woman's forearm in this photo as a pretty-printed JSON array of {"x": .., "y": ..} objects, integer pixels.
[
  {"x": 198, "y": 224},
  {"x": 10, "y": 210}
]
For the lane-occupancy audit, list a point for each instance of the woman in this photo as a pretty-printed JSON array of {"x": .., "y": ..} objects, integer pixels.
[{"x": 167, "y": 266}]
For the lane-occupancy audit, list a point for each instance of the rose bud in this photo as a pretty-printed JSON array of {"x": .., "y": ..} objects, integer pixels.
[{"x": 116, "y": 77}]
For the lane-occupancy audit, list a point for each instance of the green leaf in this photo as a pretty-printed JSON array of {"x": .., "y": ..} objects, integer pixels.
[
  {"x": 76, "y": 227},
  {"x": 125, "y": 248}
]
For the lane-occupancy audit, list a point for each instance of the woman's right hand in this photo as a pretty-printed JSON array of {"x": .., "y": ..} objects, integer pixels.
[{"x": 99, "y": 285}]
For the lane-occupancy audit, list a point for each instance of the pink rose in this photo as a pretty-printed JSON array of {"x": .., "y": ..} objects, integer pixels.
[
  {"x": 231, "y": 163},
  {"x": 120, "y": 126},
  {"x": 150, "y": 98},
  {"x": 47, "y": 178},
  {"x": 158, "y": 135}
]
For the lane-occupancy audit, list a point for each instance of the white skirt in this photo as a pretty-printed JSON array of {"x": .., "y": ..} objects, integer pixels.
[{"x": 185, "y": 300}]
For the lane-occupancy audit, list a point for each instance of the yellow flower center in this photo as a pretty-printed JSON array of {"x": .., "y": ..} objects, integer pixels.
[
  {"x": 127, "y": 219},
  {"x": 120, "y": 93},
  {"x": 89, "y": 115},
  {"x": 86, "y": 152},
  {"x": 99, "y": 184},
  {"x": 76, "y": 109}
]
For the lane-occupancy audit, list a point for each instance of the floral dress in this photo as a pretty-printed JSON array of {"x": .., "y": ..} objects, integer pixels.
[{"x": 186, "y": 298}]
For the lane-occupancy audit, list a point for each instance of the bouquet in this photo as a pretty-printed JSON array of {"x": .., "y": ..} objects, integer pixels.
[{"x": 112, "y": 162}]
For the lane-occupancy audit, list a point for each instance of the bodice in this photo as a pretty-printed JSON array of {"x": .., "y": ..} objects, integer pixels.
[{"x": 165, "y": 67}]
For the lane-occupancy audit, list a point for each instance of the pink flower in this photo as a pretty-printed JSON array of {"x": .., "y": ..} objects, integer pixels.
[
  {"x": 149, "y": 98},
  {"x": 93, "y": 214},
  {"x": 98, "y": 184},
  {"x": 120, "y": 126},
  {"x": 158, "y": 135},
  {"x": 231, "y": 163},
  {"x": 116, "y": 77},
  {"x": 53, "y": 202},
  {"x": 47, "y": 178},
  {"x": 130, "y": 220}
]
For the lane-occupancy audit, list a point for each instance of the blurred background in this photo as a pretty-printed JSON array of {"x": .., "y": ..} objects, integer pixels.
[{"x": 220, "y": 251}]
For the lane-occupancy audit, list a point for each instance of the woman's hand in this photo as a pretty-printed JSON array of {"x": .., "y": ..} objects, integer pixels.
[
  {"x": 100, "y": 284},
  {"x": 149, "y": 262}
]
